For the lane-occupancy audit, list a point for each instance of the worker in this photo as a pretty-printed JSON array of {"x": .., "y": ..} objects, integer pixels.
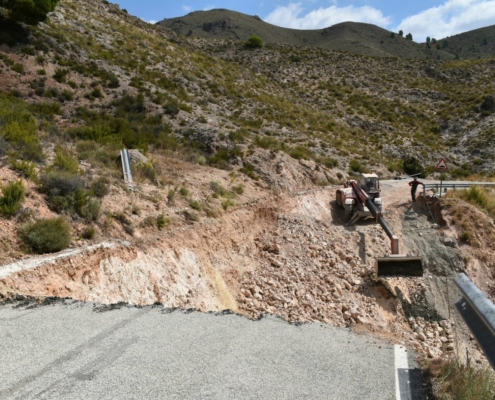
[{"x": 414, "y": 186}]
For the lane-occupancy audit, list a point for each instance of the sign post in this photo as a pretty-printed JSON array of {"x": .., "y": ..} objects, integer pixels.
[{"x": 441, "y": 167}]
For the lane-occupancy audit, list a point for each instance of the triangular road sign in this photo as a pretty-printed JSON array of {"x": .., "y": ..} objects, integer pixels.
[{"x": 442, "y": 165}]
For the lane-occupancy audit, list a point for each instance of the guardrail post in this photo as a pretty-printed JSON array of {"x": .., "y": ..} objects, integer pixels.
[
  {"x": 479, "y": 314},
  {"x": 126, "y": 167}
]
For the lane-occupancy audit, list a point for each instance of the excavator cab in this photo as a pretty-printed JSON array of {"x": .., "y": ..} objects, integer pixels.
[{"x": 370, "y": 183}]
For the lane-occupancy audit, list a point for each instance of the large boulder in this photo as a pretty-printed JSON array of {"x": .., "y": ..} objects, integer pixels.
[{"x": 138, "y": 158}]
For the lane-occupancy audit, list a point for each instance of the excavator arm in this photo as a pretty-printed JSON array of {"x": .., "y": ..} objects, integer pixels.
[{"x": 395, "y": 264}]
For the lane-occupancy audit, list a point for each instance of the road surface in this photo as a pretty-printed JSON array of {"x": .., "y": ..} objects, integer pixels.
[{"x": 72, "y": 350}]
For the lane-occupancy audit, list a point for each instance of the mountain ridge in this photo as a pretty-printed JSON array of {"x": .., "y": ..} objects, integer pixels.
[{"x": 353, "y": 37}]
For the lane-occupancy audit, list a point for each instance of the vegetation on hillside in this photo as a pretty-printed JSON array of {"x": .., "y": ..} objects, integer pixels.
[
  {"x": 46, "y": 236},
  {"x": 12, "y": 197},
  {"x": 454, "y": 380},
  {"x": 29, "y": 11},
  {"x": 255, "y": 41}
]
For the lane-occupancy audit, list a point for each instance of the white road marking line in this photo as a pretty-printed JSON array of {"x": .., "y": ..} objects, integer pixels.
[{"x": 400, "y": 354}]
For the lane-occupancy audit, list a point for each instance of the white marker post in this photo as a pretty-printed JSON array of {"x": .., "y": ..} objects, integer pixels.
[{"x": 441, "y": 167}]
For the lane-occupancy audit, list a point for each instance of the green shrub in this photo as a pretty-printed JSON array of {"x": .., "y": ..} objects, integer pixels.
[
  {"x": 12, "y": 197},
  {"x": 66, "y": 194},
  {"x": 46, "y": 236},
  {"x": 29, "y": 12},
  {"x": 144, "y": 170},
  {"x": 248, "y": 169},
  {"x": 52, "y": 93},
  {"x": 455, "y": 380},
  {"x": 239, "y": 189},
  {"x": 90, "y": 210},
  {"x": 46, "y": 109},
  {"x": 29, "y": 50},
  {"x": 15, "y": 93},
  {"x": 329, "y": 162},
  {"x": 228, "y": 203},
  {"x": 99, "y": 188},
  {"x": 476, "y": 196},
  {"x": 60, "y": 183},
  {"x": 172, "y": 108},
  {"x": 239, "y": 136},
  {"x": 269, "y": 143},
  {"x": 26, "y": 168},
  {"x": 65, "y": 162},
  {"x": 183, "y": 191},
  {"x": 466, "y": 237},
  {"x": 171, "y": 196},
  {"x": 19, "y": 128},
  {"x": 19, "y": 68},
  {"x": 97, "y": 93},
  {"x": 220, "y": 191},
  {"x": 66, "y": 95},
  {"x": 300, "y": 152},
  {"x": 162, "y": 222},
  {"x": 195, "y": 205},
  {"x": 413, "y": 167},
  {"x": 124, "y": 221},
  {"x": 60, "y": 75},
  {"x": 88, "y": 233},
  {"x": 220, "y": 159},
  {"x": 113, "y": 82},
  {"x": 255, "y": 42},
  {"x": 356, "y": 166}
]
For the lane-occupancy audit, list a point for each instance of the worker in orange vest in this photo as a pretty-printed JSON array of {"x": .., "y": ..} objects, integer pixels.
[{"x": 414, "y": 185}]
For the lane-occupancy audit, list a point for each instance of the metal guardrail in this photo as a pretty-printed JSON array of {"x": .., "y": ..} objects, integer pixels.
[
  {"x": 439, "y": 187},
  {"x": 126, "y": 167},
  {"x": 479, "y": 314}
]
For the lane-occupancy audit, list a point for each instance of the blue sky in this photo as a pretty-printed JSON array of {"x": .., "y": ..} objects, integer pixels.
[{"x": 437, "y": 19}]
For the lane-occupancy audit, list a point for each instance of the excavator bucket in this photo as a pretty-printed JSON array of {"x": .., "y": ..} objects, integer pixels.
[{"x": 398, "y": 265}]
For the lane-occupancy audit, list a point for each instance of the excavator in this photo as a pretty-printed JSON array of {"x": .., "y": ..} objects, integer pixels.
[{"x": 362, "y": 200}]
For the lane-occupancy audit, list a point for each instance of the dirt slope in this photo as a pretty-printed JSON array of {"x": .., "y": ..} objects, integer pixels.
[{"x": 288, "y": 255}]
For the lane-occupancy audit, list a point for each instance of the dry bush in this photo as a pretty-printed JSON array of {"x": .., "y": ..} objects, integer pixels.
[{"x": 453, "y": 380}]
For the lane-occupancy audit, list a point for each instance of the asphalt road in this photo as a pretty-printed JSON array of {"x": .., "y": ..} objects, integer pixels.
[{"x": 71, "y": 350}]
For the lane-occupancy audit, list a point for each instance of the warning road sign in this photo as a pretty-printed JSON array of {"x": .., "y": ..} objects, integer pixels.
[{"x": 442, "y": 165}]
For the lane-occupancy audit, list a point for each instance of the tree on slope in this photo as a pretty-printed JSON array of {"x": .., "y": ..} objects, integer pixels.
[
  {"x": 255, "y": 42},
  {"x": 28, "y": 11}
]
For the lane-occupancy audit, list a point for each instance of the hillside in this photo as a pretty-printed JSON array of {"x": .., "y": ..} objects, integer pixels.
[
  {"x": 478, "y": 43},
  {"x": 349, "y": 37}
]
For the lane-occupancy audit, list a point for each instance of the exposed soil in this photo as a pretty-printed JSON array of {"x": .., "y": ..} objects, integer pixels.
[{"x": 288, "y": 254}]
